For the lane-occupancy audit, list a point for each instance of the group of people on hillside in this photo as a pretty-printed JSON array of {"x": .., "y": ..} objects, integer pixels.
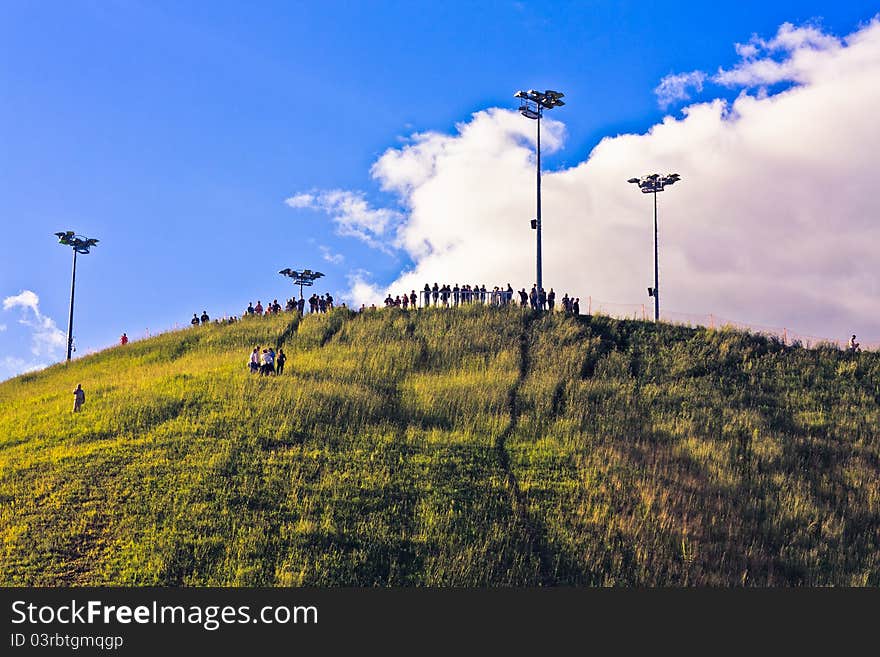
[
  {"x": 455, "y": 295},
  {"x": 267, "y": 362},
  {"x": 196, "y": 320},
  {"x": 444, "y": 295},
  {"x": 270, "y": 308},
  {"x": 317, "y": 304}
]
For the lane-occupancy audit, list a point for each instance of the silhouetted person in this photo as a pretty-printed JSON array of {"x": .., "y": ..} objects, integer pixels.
[
  {"x": 279, "y": 362},
  {"x": 195, "y": 320},
  {"x": 853, "y": 345},
  {"x": 204, "y": 318},
  {"x": 576, "y": 307},
  {"x": 79, "y": 398},
  {"x": 250, "y": 309},
  {"x": 412, "y": 298},
  {"x": 523, "y": 298},
  {"x": 435, "y": 293},
  {"x": 551, "y": 299}
]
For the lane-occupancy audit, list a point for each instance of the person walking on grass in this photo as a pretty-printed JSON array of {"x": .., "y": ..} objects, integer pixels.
[
  {"x": 254, "y": 361},
  {"x": 79, "y": 398},
  {"x": 279, "y": 362}
]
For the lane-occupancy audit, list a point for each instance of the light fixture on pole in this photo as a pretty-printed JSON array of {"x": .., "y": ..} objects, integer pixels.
[
  {"x": 533, "y": 105},
  {"x": 306, "y": 277},
  {"x": 651, "y": 184},
  {"x": 79, "y": 244}
]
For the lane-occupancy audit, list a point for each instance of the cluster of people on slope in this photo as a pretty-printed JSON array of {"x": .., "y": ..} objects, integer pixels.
[
  {"x": 317, "y": 304},
  {"x": 443, "y": 295},
  {"x": 446, "y": 295},
  {"x": 267, "y": 362},
  {"x": 270, "y": 309},
  {"x": 196, "y": 320},
  {"x": 538, "y": 299}
]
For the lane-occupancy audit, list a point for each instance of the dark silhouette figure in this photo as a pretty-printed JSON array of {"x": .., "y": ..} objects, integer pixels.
[
  {"x": 79, "y": 398},
  {"x": 279, "y": 362}
]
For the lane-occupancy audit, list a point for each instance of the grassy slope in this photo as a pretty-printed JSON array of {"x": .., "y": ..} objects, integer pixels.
[{"x": 467, "y": 447}]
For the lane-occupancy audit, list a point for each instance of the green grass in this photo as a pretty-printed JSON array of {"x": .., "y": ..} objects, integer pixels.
[{"x": 474, "y": 447}]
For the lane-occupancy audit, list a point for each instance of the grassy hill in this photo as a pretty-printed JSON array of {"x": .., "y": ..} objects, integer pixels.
[{"x": 460, "y": 447}]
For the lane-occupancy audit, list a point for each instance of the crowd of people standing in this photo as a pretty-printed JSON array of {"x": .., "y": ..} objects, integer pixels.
[
  {"x": 267, "y": 362},
  {"x": 455, "y": 295},
  {"x": 318, "y": 303}
]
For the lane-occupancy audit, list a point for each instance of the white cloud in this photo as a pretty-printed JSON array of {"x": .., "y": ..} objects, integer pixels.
[
  {"x": 804, "y": 53},
  {"x": 774, "y": 222},
  {"x": 351, "y": 213},
  {"x": 11, "y": 366},
  {"x": 330, "y": 256},
  {"x": 26, "y": 299},
  {"x": 677, "y": 86},
  {"x": 362, "y": 291},
  {"x": 46, "y": 337},
  {"x": 2, "y": 327}
]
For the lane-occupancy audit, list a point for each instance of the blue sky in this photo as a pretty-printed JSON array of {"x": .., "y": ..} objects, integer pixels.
[{"x": 174, "y": 132}]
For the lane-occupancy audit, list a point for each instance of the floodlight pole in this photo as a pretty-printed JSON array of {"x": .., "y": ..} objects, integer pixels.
[
  {"x": 651, "y": 184},
  {"x": 532, "y": 107},
  {"x": 79, "y": 244},
  {"x": 70, "y": 318},
  {"x": 656, "y": 264},
  {"x": 538, "y": 222}
]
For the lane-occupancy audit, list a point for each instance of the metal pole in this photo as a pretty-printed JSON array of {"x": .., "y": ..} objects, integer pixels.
[
  {"x": 70, "y": 319},
  {"x": 656, "y": 266},
  {"x": 538, "y": 222}
]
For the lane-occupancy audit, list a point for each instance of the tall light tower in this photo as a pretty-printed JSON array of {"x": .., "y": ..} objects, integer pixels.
[
  {"x": 533, "y": 105},
  {"x": 305, "y": 277},
  {"x": 651, "y": 184},
  {"x": 79, "y": 244}
]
